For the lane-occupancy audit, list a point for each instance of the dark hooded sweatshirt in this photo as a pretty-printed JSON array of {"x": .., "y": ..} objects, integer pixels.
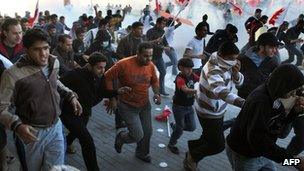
[{"x": 260, "y": 122}]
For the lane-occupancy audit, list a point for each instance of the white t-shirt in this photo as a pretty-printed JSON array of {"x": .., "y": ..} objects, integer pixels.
[
  {"x": 197, "y": 49},
  {"x": 169, "y": 33}
]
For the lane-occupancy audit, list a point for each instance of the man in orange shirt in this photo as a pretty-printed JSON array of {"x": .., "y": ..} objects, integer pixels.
[{"x": 139, "y": 73}]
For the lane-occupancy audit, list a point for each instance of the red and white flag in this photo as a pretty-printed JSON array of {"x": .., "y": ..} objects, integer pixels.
[
  {"x": 157, "y": 6},
  {"x": 279, "y": 15},
  {"x": 33, "y": 20},
  {"x": 253, "y": 3},
  {"x": 182, "y": 2},
  {"x": 236, "y": 8}
]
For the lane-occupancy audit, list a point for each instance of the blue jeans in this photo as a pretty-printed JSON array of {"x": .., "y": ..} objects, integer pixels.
[
  {"x": 184, "y": 121},
  {"x": 139, "y": 124},
  {"x": 242, "y": 163},
  {"x": 293, "y": 50},
  {"x": 160, "y": 64},
  {"x": 173, "y": 60},
  {"x": 47, "y": 151}
]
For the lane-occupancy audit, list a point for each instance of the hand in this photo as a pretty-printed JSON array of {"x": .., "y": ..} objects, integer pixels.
[
  {"x": 300, "y": 166},
  {"x": 299, "y": 106},
  {"x": 124, "y": 90},
  {"x": 86, "y": 57},
  {"x": 157, "y": 99},
  {"x": 25, "y": 132},
  {"x": 95, "y": 7},
  {"x": 158, "y": 40},
  {"x": 76, "y": 106},
  {"x": 112, "y": 106},
  {"x": 236, "y": 68},
  {"x": 201, "y": 56}
]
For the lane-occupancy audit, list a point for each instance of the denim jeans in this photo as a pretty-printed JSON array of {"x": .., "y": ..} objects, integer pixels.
[
  {"x": 242, "y": 163},
  {"x": 173, "y": 60},
  {"x": 139, "y": 124},
  {"x": 160, "y": 64},
  {"x": 47, "y": 151},
  {"x": 294, "y": 50},
  {"x": 184, "y": 121}
]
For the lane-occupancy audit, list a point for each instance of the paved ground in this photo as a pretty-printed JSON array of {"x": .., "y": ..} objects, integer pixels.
[{"x": 102, "y": 128}]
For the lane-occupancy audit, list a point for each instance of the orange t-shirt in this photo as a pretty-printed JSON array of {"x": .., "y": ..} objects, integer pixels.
[{"x": 129, "y": 73}]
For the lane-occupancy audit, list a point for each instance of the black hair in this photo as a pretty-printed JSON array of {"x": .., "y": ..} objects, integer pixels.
[
  {"x": 185, "y": 62},
  {"x": 160, "y": 19},
  {"x": 97, "y": 57},
  {"x": 79, "y": 30},
  {"x": 264, "y": 17},
  {"x": 143, "y": 46},
  {"x": 199, "y": 27},
  {"x": 33, "y": 35},
  {"x": 53, "y": 16},
  {"x": 24, "y": 20},
  {"x": 228, "y": 48},
  {"x": 258, "y": 10},
  {"x": 61, "y": 17},
  {"x": 62, "y": 37},
  {"x": 9, "y": 22},
  {"x": 137, "y": 24},
  {"x": 231, "y": 28}
]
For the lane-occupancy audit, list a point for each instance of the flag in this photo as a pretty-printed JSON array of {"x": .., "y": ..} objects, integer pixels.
[
  {"x": 182, "y": 2},
  {"x": 182, "y": 20},
  {"x": 164, "y": 115},
  {"x": 236, "y": 8},
  {"x": 33, "y": 20},
  {"x": 279, "y": 15},
  {"x": 253, "y": 3},
  {"x": 157, "y": 6}
]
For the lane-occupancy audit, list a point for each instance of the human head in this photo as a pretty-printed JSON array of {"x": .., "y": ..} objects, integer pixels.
[
  {"x": 24, "y": 24},
  {"x": 201, "y": 30},
  {"x": 97, "y": 63},
  {"x": 267, "y": 44},
  {"x": 54, "y": 18},
  {"x": 51, "y": 29},
  {"x": 36, "y": 43},
  {"x": 205, "y": 17},
  {"x": 137, "y": 29},
  {"x": 264, "y": 19},
  {"x": 11, "y": 31},
  {"x": 109, "y": 12},
  {"x": 144, "y": 53},
  {"x": 185, "y": 65},
  {"x": 300, "y": 25},
  {"x": 62, "y": 19},
  {"x": 258, "y": 13},
  {"x": 65, "y": 42},
  {"x": 284, "y": 25},
  {"x": 228, "y": 51},
  {"x": 232, "y": 31},
  {"x": 160, "y": 23},
  {"x": 80, "y": 33}
]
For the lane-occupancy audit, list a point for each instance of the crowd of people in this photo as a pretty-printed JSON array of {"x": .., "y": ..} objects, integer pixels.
[{"x": 51, "y": 80}]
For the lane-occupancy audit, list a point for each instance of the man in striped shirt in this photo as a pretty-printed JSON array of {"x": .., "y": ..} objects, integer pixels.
[{"x": 218, "y": 77}]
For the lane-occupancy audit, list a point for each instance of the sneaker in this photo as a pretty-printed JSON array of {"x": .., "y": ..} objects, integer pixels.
[
  {"x": 146, "y": 159},
  {"x": 118, "y": 143},
  {"x": 189, "y": 165},
  {"x": 173, "y": 149},
  {"x": 71, "y": 149}
]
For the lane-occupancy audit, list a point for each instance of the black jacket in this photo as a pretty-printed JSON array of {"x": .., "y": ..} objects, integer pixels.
[
  {"x": 153, "y": 34},
  {"x": 263, "y": 120},
  {"x": 254, "y": 76},
  {"x": 90, "y": 90}
]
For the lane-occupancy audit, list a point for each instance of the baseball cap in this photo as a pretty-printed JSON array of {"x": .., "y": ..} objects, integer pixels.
[{"x": 268, "y": 39}]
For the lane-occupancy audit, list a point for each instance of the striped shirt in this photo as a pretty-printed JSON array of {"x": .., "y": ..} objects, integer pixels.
[{"x": 215, "y": 86}]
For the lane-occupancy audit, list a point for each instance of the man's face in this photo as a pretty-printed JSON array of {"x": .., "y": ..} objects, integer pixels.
[
  {"x": 25, "y": 26},
  {"x": 62, "y": 20},
  {"x": 67, "y": 45},
  {"x": 162, "y": 24},
  {"x": 99, "y": 69},
  {"x": 80, "y": 36},
  {"x": 187, "y": 71},
  {"x": 268, "y": 50},
  {"x": 39, "y": 53},
  {"x": 145, "y": 57},
  {"x": 14, "y": 34},
  {"x": 52, "y": 31},
  {"x": 202, "y": 32},
  {"x": 138, "y": 32}
]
